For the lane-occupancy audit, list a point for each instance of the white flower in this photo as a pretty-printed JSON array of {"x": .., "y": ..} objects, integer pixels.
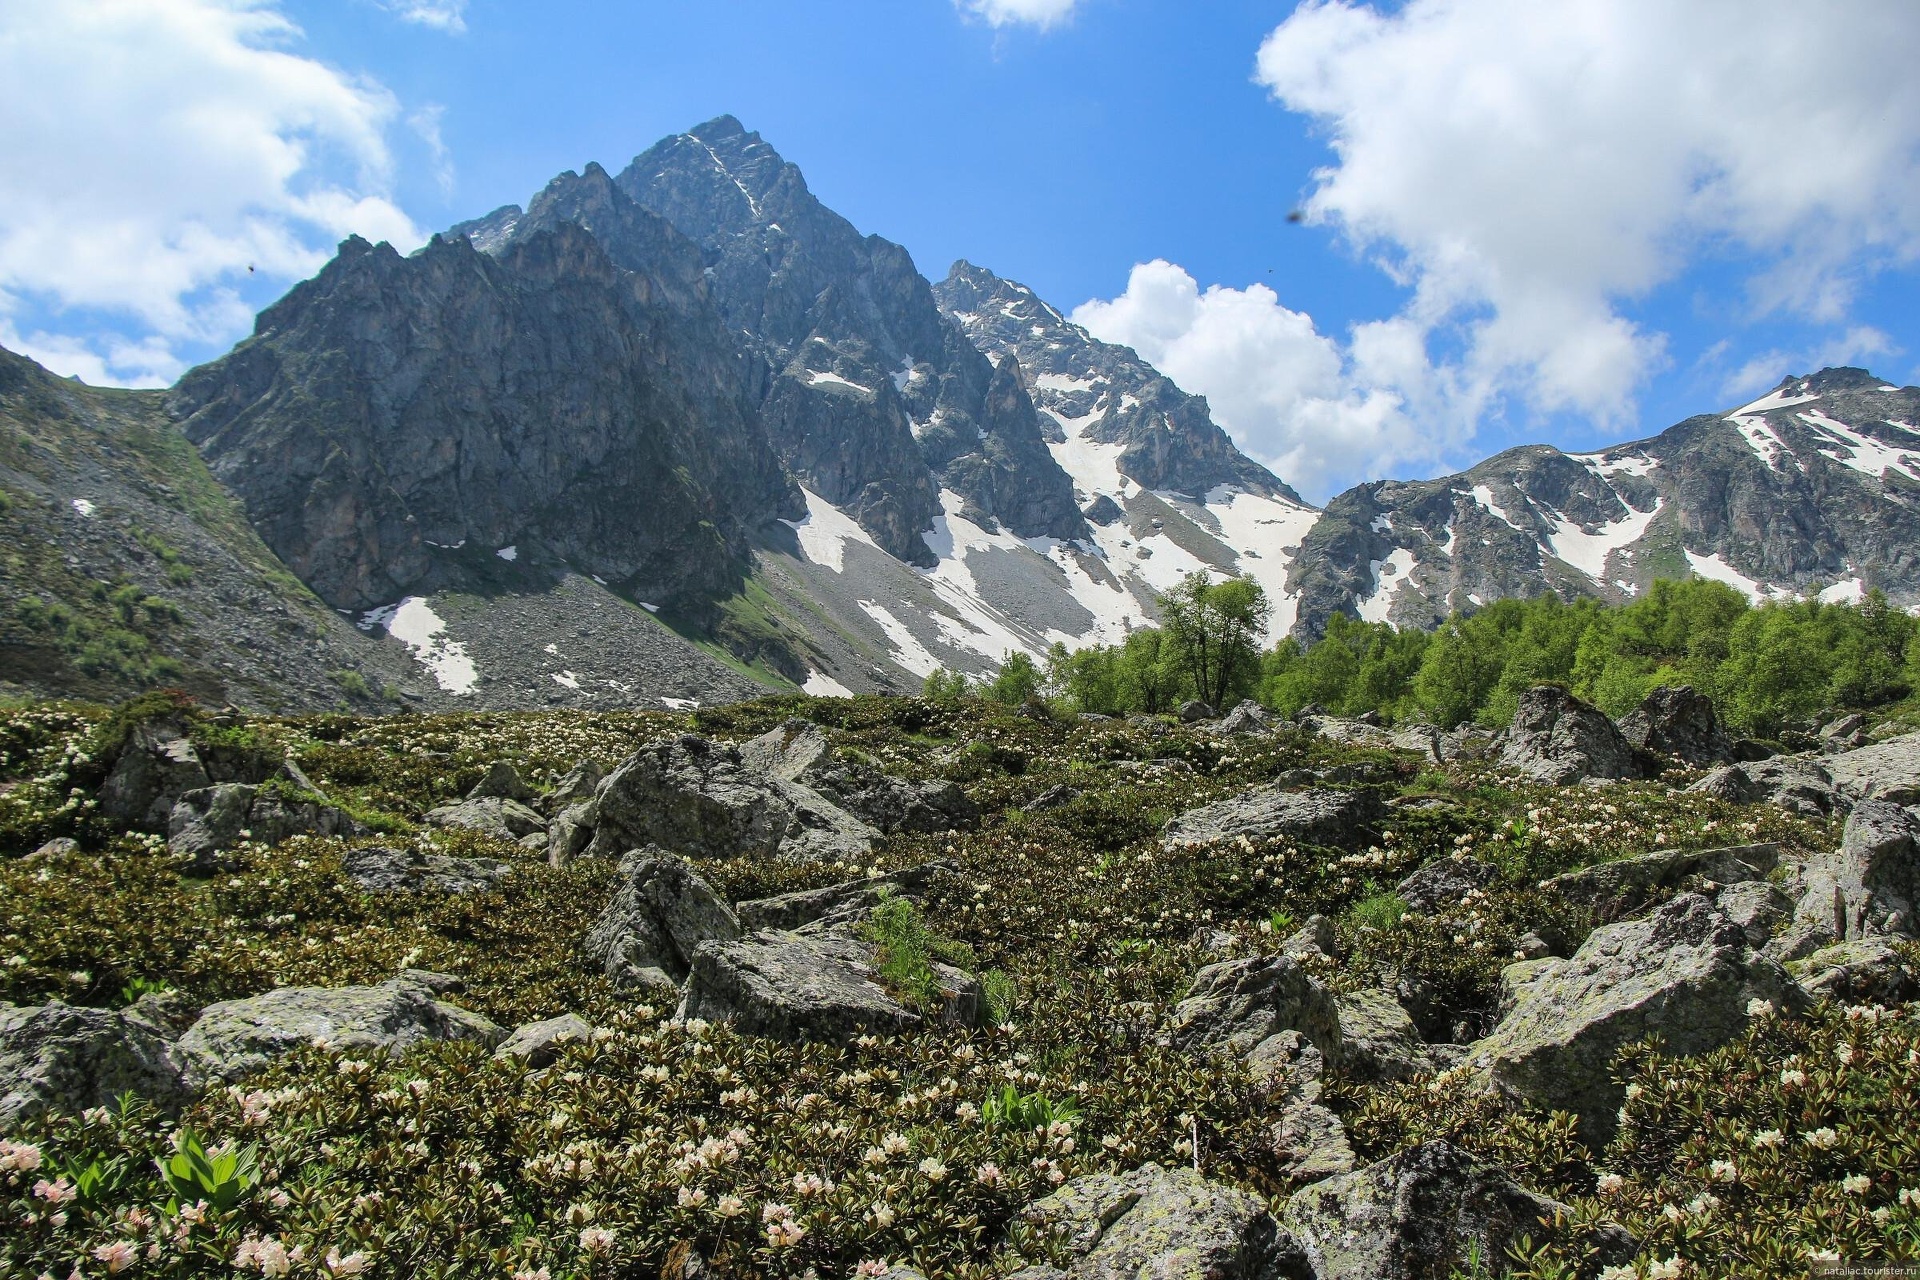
[
  {"x": 1857, "y": 1184},
  {"x": 692, "y": 1197},
  {"x": 895, "y": 1144},
  {"x": 988, "y": 1175},
  {"x": 1768, "y": 1138},
  {"x": 351, "y": 1265},
  {"x": 596, "y": 1240},
  {"x": 933, "y": 1170},
  {"x": 882, "y": 1215},
  {"x": 1823, "y": 1138},
  {"x": 1665, "y": 1269},
  {"x": 1724, "y": 1171},
  {"x": 1758, "y": 1008},
  {"x": 729, "y": 1206},
  {"x": 1609, "y": 1183},
  {"x": 1793, "y": 1078}
]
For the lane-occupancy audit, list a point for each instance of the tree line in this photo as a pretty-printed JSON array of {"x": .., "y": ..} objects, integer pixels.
[{"x": 1768, "y": 667}]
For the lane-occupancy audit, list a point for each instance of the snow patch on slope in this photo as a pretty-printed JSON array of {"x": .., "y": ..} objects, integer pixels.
[
  {"x": 1863, "y": 453},
  {"x": 1588, "y": 552},
  {"x": 414, "y": 623},
  {"x": 825, "y": 533},
  {"x": 1389, "y": 576}
]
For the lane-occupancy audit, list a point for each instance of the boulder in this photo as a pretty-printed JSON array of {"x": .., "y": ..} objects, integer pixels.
[
  {"x": 1445, "y": 882},
  {"x": 1248, "y": 717},
  {"x": 1426, "y": 1212},
  {"x": 576, "y": 786},
  {"x": 155, "y": 767},
  {"x": 1863, "y": 970},
  {"x": 1887, "y": 771},
  {"x": 539, "y": 1044},
  {"x": 788, "y": 986},
  {"x": 1623, "y": 887},
  {"x": 1053, "y": 797},
  {"x": 384, "y": 870},
  {"x": 1685, "y": 972},
  {"x": 1757, "y": 906},
  {"x": 1378, "y": 1040},
  {"x": 236, "y": 1037},
  {"x": 1195, "y": 711},
  {"x": 798, "y": 752},
  {"x": 1315, "y": 937},
  {"x": 1467, "y": 742},
  {"x": 1557, "y": 739},
  {"x": 1677, "y": 722},
  {"x": 208, "y": 822},
  {"x": 1311, "y": 1142},
  {"x": 1845, "y": 733},
  {"x": 1169, "y": 1224},
  {"x": 1258, "y": 1009},
  {"x": 840, "y": 906},
  {"x": 65, "y": 1058},
  {"x": 1798, "y": 784},
  {"x": 506, "y": 820},
  {"x": 1346, "y": 731},
  {"x": 662, "y": 912},
  {"x": 58, "y": 847},
  {"x": 694, "y": 797},
  {"x": 504, "y": 782},
  {"x": 1869, "y": 885},
  {"x": 571, "y": 831},
  {"x": 1339, "y": 819}
]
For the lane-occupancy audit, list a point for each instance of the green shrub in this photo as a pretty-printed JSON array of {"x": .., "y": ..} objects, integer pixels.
[{"x": 1378, "y": 911}]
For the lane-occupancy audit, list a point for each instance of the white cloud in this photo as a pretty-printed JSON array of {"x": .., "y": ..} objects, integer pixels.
[
  {"x": 1044, "y": 14},
  {"x": 1859, "y": 345},
  {"x": 425, "y": 124},
  {"x": 1287, "y": 394},
  {"x": 445, "y": 15},
  {"x": 1531, "y": 169},
  {"x": 155, "y": 149}
]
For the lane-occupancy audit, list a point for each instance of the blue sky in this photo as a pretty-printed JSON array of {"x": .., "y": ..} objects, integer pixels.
[{"x": 1574, "y": 228}]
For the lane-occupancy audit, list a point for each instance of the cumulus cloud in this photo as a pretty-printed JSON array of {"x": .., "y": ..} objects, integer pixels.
[
  {"x": 1859, "y": 345},
  {"x": 446, "y": 15},
  {"x": 1286, "y": 392},
  {"x": 157, "y": 149},
  {"x": 1529, "y": 171},
  {"x": 1044, "y": 14}
]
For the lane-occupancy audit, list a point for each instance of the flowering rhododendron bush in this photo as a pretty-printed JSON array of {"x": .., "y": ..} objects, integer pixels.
[{"x": 654, "y": 1143}]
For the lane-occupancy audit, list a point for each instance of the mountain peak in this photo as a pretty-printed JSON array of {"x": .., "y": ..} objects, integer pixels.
[{"x": 722, "y": 128}]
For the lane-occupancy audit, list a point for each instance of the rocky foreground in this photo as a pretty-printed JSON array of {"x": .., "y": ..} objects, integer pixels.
[{"x": 885, "y": 986}]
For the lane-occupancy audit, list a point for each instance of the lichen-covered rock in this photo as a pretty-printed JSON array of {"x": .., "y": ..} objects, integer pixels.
[
  {"x": 1340, "y": 819},
  {"x": 65, "y": 1058},
  {"x": 1798, "y": 784},
  {"x": 576, "y": 786},
  {"x": 1167, "y": 1224},
  {"x": 1445, "y": 882},
  {"x": 208, "y": 822},
  {"x": 1684, "y": 972},
  {"x": 571, "y": 831},
  {"x": 504, "y": 782},
  {"x": 1888, "y": 771},
  {"x": 1236, "y": 1007},
  {"x": 1247, "y": 718},
  {"x": 798, "y": 752},
  {"x": 1869, "y": 885},
  {"x": 1194, "y": 712},
  {"x": 1757, "y": 906},
  {"x": 1422, "y": 1213},
  {"x": 501, "y": 817},
  {"x": 662, "y": 912},
  {"x": 539, "y": 1044},
  {"x": 1678, "y": 722},
  {"x": 383, "y": 870},
  {"x": 788, "y": 986},
  {"x": 1311, "y": 1142},
  {"x": 1315, "y": 935},
  {"x": 1378, "y": 1040},
  {"x": 1863, "y": 970},
  {"x": 1622, "y": 887},
  {"x": 838, "y": 906},
  {"x": 155, "y": 767},
  {"x": 1557, "y": 739},
  {"x": 236, "y": 1037},
  {"x": 698, "y": 798}
]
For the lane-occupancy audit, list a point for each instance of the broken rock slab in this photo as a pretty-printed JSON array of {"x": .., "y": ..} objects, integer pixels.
[
  {"x": 1334, "y": 818},
  {"x": 65, "y": 1058},
  {"x": 1622, "y": 887},
  {"x": 1888, "y": 771},
  {"x": 539, "y": 1044},
  {"x": 1868, "y": 886},
  {"x": 1556, "y": 739},
  {"x": 660, "y": 915},
  {"x": 1678, "y": 722},
  {"x": 842, "y": 906},
  {"x": 212, "y": 820},
  {"x": 380, "y": 869},
  {"x": 503, "y": 818}
]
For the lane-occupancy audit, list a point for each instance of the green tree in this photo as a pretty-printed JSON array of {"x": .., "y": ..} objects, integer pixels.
[
  {"x": 1148, "y": 672},
  {"x": 1018, "y": 681},
  {"x": 1215, "y": 629}
]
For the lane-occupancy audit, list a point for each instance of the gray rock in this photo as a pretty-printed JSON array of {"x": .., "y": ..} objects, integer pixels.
[
  {"x": 1519, "y": 977},
  {"x": 697, "y": 798},
  {"x": 788, "y": 986},
  {"x": 1620, "y": 888},
  {"x": 1246, "y": 1008},
  {"x": 1378, "y": 1040},
  {"x": 1888, "y": 771},
  {"x": 1316, "y": 936},
  {"x": 401, "y": 870},
  {"x": 1684, "y": 972},
  {"x": 1422, "y": 1213},
  {"x": 838, "y": 906},
  {"x": 1846, "y": 733},
  {"x": 58, "y": 847},
  {"x": 1870, "y": 884},
  {"x": 663, "y": 911},
  {"x": 798, "y": 752},
  {"x": 1557, "y": 739},
  {"x": 1863, "y": 970},
  {"x": 236, "y": 1037},
  {"x": 1757, "y": 906},
  {"x": 65, "y": 1058},
  {"x": 1248, "y": 717},
  {"x": 1340, "y": 819},
  {"x": 1798, "y": 784},
  {"x": 1311, "y": 1143},
  {"x": 571, "y": 831},
  {"x": 1445, "y": 882},
  {"x": 1168, "y": 1224},
  {"x": 504, "y": 782},
  {"x": 1053, "y": 797},
  {"x": 1194, "y": 712},
  {"x": 576, "y": 786},
  {"x": 539, "y": 1044},
  {"x": 154, "y": 768},
  {"x": 1467, "y": 742},
  {"x": 208, "y": 822},
  {"x": 504, "y": 819},
  {"x": 1676, "y": 721}
]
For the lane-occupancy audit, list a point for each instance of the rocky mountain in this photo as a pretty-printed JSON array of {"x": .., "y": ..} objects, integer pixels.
[{"x": 1811, "y": 490}]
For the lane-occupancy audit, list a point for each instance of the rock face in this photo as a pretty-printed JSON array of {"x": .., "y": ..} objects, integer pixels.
[
  {"x": 1445, "y": 882},
  {"x": 1422, "y": 1213},
  {"x": 384, "y": 870},
  {"x": 1556, "y": 739},
  {"x": 1888, "y": 771},
  {"x": 789, "y": 986},
  {"x": 1798, "y": 784},
  {"x": 235, "y": 1037},
  {"x": 1619, "y": 888},
  {"x": 798, "y": 752},
  {"x": 1338, "y": 819},
  {"x": 1866, "y": 969},
  {"x": 1171, "y": 1224},
  {"x": 64, "y": 1058},
  {"x": 1685, "y": 972},
  {"x": 701, "y": 799},
  {"x": 155, "y": 767},
  {"x": 501, "y": 817},
  {"x": 1258, "y": 1009},
  {"x": 1869, "y": 886},
  {"x": 208, "y": 822},
  {"x": 662, "y": 912},
  {"x": 1676, "y": 721}
]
